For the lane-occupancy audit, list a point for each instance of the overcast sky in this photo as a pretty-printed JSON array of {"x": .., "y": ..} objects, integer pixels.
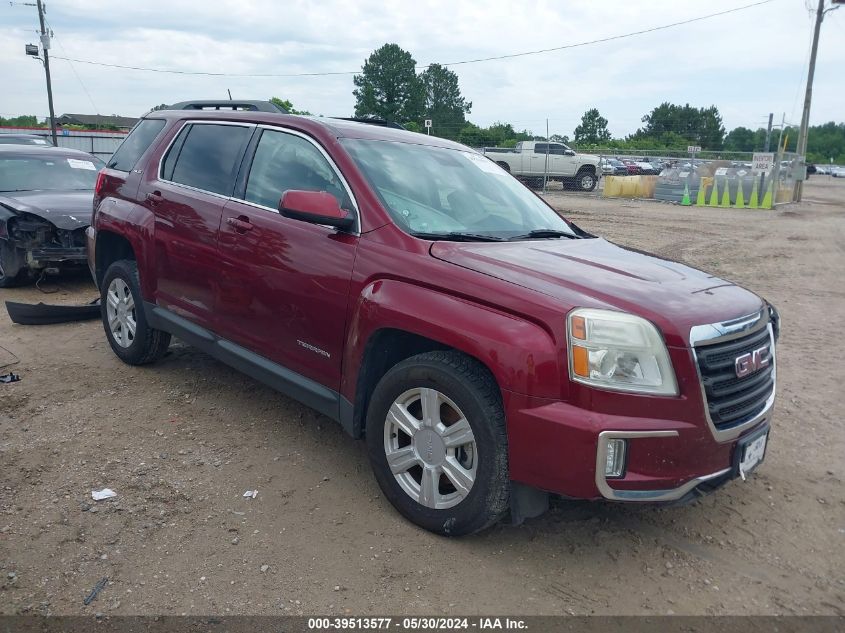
[{"x": 748, "y": 63}]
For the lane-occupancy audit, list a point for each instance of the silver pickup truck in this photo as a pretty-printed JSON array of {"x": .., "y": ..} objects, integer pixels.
[{"x": 528, "y": 160}]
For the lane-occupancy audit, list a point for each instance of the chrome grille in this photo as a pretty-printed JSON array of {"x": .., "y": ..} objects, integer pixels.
[{"x": 732, "y": 401}]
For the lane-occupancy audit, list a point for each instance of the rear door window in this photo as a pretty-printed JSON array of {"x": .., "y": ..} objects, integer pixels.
[
  {"x": 134, "y": 145},
  {"x": 207, "y": 156}
]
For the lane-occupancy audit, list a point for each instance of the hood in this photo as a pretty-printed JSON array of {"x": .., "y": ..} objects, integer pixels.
[
  {"x": 597, "y": 273},
  {"x": 67, "y": 210}
]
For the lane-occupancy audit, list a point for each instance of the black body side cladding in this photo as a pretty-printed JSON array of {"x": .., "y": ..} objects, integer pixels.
[{"x": 280, "y": 378}]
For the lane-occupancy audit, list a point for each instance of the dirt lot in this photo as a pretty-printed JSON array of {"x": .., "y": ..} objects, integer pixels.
[{"x": 181, "y": 441}]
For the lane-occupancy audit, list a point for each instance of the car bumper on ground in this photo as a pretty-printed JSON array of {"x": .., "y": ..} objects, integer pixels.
[{"x": 563, "y": 449}]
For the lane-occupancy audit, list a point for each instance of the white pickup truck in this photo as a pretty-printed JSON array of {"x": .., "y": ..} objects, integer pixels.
[{"x": 528, "y": 161}]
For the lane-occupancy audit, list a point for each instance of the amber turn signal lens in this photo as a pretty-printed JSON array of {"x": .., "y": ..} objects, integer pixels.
[
  {"x": 579, "y": 361},
  {"x": 579, "y": 328}
]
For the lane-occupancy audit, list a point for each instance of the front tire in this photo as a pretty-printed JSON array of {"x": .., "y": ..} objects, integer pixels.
[
  {"x": 124, "y": 320},
  {"x": 11, "y": 274},
  {"x": 437, "y": 443}
]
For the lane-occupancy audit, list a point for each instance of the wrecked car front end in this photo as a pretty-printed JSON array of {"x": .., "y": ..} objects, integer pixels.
[
  {"x": 41, "y": 243},
  {"x": 46, "y": 195}
]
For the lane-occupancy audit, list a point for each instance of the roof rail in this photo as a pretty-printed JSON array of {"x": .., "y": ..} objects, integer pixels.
[
  {"x": 224, "y": 104},
  {"x": 371, "y": 121}
]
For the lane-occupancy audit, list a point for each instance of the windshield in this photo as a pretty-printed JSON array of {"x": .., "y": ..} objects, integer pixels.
[
  {"x": 437, "y": 191},
  {"x": 28, "y": 173}
]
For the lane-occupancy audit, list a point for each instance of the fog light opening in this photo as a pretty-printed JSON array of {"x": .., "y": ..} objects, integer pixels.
[{"x": 614, "y": 465}]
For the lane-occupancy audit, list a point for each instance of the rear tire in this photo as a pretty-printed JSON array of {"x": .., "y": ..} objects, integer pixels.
[
  {"x": 437, "y": 443},
  {"x": 124, "y": 320}
]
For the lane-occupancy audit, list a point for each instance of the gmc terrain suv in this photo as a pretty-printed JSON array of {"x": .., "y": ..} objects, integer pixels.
[{"x": 489, "y": 351}]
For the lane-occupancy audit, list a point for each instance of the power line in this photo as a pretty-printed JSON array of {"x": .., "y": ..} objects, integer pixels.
[
  {"x": 612, "y": 38},
  {"x": 73, "y": 68},
  {"x": 458, "y": 63}
]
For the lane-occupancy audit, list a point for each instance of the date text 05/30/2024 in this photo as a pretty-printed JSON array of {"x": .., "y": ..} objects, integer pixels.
[{"x": 416, "y": 623}]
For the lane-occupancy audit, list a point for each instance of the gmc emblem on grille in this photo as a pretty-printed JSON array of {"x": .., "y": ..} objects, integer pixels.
[{"x": 752, "y": 361}]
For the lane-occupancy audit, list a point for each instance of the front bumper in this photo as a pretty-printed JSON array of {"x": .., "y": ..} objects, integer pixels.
[
  {"x": 561, "y": 448},
  {"x": 603, "y": 484},
  {"x": 47, "y": 256}
]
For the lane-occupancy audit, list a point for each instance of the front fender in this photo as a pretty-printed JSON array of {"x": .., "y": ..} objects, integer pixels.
[{"x": 521, "y": 354}]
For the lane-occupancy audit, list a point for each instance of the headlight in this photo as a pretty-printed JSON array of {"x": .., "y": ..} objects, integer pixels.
[{"x": 619, "y": 351}]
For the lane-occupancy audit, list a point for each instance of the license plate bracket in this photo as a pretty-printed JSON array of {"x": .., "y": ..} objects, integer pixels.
[{"x": 750, "y": 452}]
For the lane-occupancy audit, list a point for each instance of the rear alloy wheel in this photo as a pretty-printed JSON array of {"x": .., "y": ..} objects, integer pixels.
[
  {"x": 586, "y": 181},
  {"x": 437, "y": 442},
  {"x": 124, "y": 321},
  {"x": 120, "y": 313}
]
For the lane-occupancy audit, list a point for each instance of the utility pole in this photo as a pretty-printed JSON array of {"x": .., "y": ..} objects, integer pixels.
[
  {"x": 769, "y": 132},
  {"x": 808, "y": 95},
  {"x": 45, "y": 46}
]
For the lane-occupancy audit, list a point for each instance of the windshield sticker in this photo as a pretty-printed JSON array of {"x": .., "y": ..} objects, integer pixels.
[
  {"x": 483, "y": 163},
  {"x": 81, "y": 164}
]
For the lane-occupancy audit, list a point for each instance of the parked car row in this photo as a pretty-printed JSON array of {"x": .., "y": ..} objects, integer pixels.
[
  {"x": 631, "y": 166},
  {"x": 836, "y": 171}
]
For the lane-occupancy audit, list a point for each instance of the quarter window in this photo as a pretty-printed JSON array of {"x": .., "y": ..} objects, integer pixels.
[
  {"x": 207, "y": 157},
  {"x": 134, "y": 145},
  {"x": 286, "y": 161}
]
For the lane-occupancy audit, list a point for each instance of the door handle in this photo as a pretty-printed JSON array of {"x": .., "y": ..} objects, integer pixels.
[
  {"x": 241, "y": 224},
  {"x": 155, "y": 197}
]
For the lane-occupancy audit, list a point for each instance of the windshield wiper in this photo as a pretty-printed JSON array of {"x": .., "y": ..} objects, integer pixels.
[
  {"x": 543, "y": 233},
  {"x": 457, "y": 236}
]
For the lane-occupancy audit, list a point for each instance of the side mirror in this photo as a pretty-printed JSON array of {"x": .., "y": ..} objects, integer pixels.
[
  {"x": 316, "y": 207},
  {"x": 569, "y": 152}
]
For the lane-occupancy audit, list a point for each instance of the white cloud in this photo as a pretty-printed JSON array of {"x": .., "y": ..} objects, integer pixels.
[{"x": 747, "y": 63}]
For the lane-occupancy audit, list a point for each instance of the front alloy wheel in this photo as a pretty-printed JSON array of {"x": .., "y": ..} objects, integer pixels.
[
  {"x": 437, "y": 442},
  {"x": 430, "y": 448}
]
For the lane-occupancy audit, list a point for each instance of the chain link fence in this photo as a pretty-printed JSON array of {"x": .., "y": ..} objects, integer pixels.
[
  {"x": 99, "y": 143},
  {"x": 704, "y": 178}
]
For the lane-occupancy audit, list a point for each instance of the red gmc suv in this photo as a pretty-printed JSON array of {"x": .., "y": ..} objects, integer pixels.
[{"x": 489, "y": 351}]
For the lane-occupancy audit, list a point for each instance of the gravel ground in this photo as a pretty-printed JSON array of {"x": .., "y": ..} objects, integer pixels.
[{"x": 182, "y": 440}]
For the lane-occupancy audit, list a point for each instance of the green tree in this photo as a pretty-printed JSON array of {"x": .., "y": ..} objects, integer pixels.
[
  {"x": 25, "y": 120},
  {"x": 593, "y": 129},
  {"x": 287, "y": 105},
  {"x": 699, "y": 126},
  {"x": 444, "y": 104},
  {"x": 497, "y": 135},
  {"x": 825, "y": 142},
  {"x": 388, "y": 86}
]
